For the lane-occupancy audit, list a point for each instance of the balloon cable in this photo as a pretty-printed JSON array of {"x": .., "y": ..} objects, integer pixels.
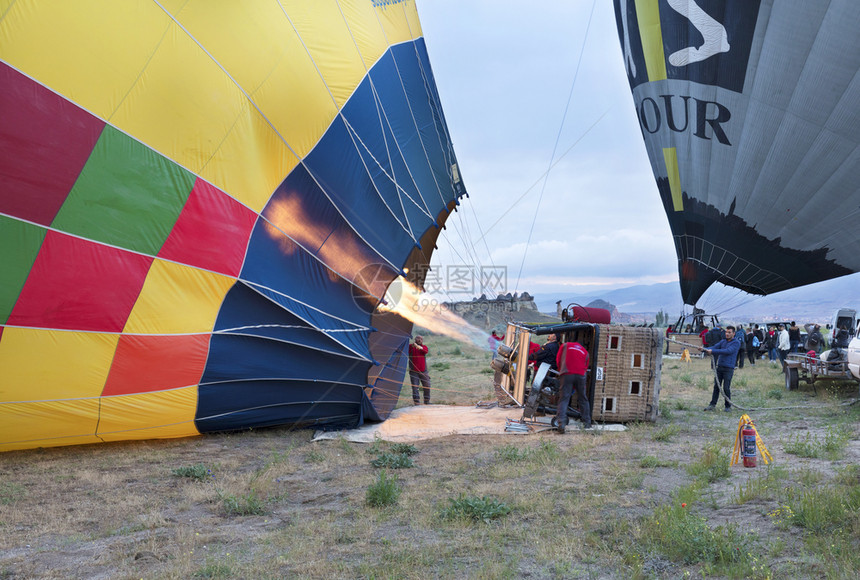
[{"x": 555, "y": 146}]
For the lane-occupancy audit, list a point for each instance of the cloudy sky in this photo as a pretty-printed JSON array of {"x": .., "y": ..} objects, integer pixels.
[{"x": 506, "y": 72}]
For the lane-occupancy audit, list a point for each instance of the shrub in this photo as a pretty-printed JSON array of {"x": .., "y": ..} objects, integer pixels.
[
  {"x": 384, "y": 492},
  {"x": 713, "y": 464},
  {"x": 683, "y": 536},
  {"x": 803, "y": 446},
  {"x": 478, "y": 509},
  {"x": 440, "y": 366},
  {"x": 667, "y": 432},
  {"x": 404, "y": 448},
  {"x": 248, "y": 504},
  {"x": 649, "y": 461},
  {"x": 198, "y": 472},
  {"x": 393, "y": 461}
]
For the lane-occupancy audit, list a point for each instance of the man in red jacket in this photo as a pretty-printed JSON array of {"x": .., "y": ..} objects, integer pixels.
[
  {"x": 572, "y": 363},
  {"x": 418, "y": 370}
]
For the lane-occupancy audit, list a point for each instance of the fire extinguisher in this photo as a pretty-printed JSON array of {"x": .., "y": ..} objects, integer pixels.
[{"x": 749, "y": 445}]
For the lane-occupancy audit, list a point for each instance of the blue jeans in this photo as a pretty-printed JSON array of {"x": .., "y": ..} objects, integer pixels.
[{"x": 724, "y": 375}]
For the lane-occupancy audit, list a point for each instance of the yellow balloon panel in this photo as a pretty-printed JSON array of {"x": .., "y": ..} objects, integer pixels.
[
  {"x": 366, "y": 30},
  {"x": 48, "y": 423},
  {"x": 54, "y": 364},
  {"x": 177, "y": 299},
  {"x": 400, "y": 22},
  {"x": 321, "y": 26},
  {"x": 183, "y": 104},
  {"x": 92, "y": 52},
  {"x": 161, "y": 415},
  {"x": 252, "y": 161}
]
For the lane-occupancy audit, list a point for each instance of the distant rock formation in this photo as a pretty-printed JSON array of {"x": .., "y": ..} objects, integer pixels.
[{"x": 489, "y": 313}]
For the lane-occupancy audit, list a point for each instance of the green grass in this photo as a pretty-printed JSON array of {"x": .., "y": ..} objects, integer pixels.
[
  {"x": 11, "y": 492},
  {"x": 477, "y": 509},
  {"x": 198, "y": 471},
  {"x": 385, "y": 491},
  {"x": 765, "y": 486},
  {"x": 393, "y": 461},
  {"x": 832, "y": 445},
  {"x": 713, "y": 463},
  {"x": 247, "y": 504},
  {"x": 650, "y": 462},
  {"x": 543, "y": 454},
  {"x": 667, "y": 432},
  {"x": 683, "y": 536},
  {"x": 404, "y": 448}
]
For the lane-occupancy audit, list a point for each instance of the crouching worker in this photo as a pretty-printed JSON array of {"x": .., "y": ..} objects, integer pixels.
[{"x": 572, "y": 363}]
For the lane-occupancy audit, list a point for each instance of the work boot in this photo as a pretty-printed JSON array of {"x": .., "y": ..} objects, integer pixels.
[
  {"x": 586, "y": 415},
  {"x": 709, "y": 408},
  {"x": 561, "y": 426}
]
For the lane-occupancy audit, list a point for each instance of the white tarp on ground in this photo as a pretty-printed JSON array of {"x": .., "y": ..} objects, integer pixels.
[{"x": 429, "y": 421}]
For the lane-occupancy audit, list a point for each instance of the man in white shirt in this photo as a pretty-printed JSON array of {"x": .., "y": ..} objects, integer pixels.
[{"x": 783, "y": 344}]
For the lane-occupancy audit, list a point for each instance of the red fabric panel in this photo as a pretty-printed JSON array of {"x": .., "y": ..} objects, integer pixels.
[
  {"x": 595, "y": 315},
  {"x": 212, "y": 231},
  {"x": 44, "y": 143},
  {"x": 75, "y": 284},
  {"x": 143, "y": 364}
]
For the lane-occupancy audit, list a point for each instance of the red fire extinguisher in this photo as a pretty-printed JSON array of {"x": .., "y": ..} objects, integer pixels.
[{"x": 749, "y": 445}]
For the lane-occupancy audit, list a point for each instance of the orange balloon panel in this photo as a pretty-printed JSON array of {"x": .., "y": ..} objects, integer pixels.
[{"x": 143, "y": 364}]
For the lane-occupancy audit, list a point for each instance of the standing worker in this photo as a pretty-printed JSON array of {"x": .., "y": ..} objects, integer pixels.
[
  {"x": 742, "y": 340},
  {"x": 572, "y": 360},
  {"x": 727, "y": 354},
  {"x": 783, "y": 344},
  {"x": 794, "y": 337},
  {"x": 418, "y": 370}
]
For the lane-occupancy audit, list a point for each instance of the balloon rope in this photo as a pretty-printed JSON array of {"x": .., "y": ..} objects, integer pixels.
[
  {"x": 555, "y": 146},
  {"x": 733, "y": 404}
]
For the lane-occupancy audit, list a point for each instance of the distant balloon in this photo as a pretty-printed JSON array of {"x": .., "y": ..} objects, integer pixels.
[
  {"x": 201, "y": 206},
  {"x": 749, "y": 111}
]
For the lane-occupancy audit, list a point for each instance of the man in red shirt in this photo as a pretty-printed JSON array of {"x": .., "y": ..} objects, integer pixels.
[
  {"x": 572, "y": 363},
  {"x": 418, "y": 370}
]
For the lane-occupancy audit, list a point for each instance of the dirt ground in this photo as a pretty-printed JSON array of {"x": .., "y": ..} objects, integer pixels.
[{"x": 275, "y": 504}]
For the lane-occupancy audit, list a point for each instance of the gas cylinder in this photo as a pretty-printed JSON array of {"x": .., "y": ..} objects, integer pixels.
[{"x": 749, "y": 445}]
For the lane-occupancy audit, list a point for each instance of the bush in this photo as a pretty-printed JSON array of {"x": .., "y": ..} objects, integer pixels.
[
  {"x": 384, "y": 492},
  {"x": 713, "y": 464},
  {"x": 393, "y": 460},
  {"x": 667, "y": 432},
  {"x": 683, "y": 536},
  {"x": 198, "y": 472},
  {"x": 404, "y": 448},
  {"x": 242, "y": 505},
  {"x": 478, "y": 509}
]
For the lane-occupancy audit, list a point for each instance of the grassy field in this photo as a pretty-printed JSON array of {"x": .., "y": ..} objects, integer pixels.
[{"x": 658, "y": 500}]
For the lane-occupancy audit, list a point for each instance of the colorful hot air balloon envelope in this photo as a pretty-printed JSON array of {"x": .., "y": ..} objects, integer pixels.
[
  {"x": 201, "y": 205},
  {"x": 749, "y": 111}
]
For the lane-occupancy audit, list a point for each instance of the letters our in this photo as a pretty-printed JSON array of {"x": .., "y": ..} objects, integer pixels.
[{"x": 674, "y": 112}]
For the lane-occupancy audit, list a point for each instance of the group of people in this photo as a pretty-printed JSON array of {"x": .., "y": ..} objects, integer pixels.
[
  {"x": 569, "y": 359},
  {"x": 731, "y": 346}
]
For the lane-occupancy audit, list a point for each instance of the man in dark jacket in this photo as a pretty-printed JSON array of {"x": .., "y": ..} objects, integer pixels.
[
  {"x": 547, "y": 353},
  {"x": 742, "y": 340},
  {"x": 726, "y": 352}
]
